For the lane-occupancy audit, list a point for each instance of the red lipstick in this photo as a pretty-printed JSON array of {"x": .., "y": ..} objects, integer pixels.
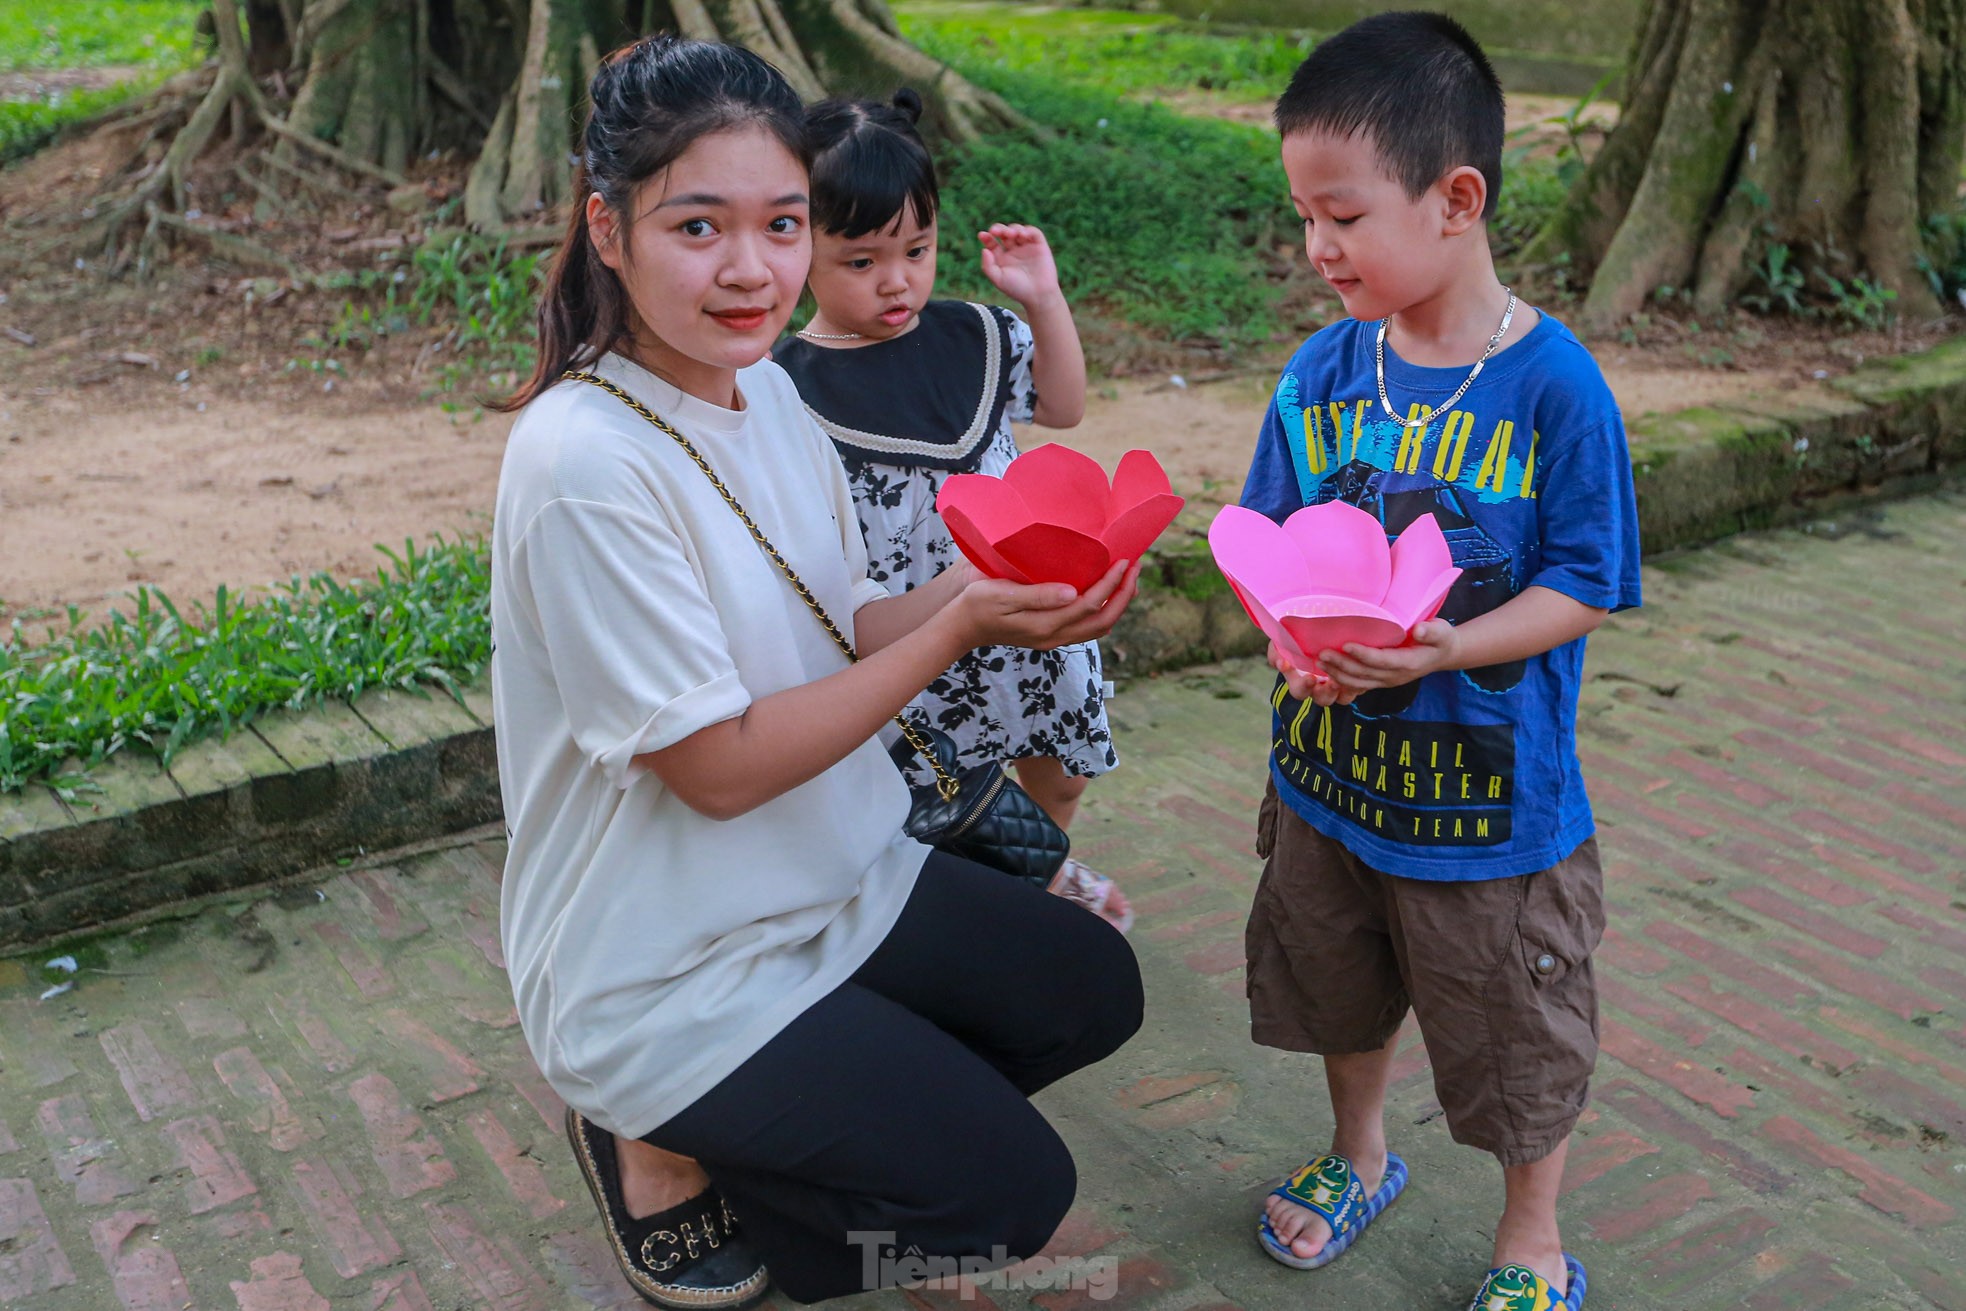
[{"x": 743, "y": 318}]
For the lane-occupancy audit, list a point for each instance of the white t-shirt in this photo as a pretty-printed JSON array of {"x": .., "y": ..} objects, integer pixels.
[{"x": 653, "y": 949}]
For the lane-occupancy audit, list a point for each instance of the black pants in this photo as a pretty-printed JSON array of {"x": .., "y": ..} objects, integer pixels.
[{"x": 893, "y": 1113}]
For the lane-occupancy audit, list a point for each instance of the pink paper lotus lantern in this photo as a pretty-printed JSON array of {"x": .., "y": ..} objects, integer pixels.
[
  {"x": 1053, "y": 518},
  {"x": 1326, "y": 577}
]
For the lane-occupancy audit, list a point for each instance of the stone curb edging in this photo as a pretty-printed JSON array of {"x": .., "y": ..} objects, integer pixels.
[
  {"x": 1891, "y": 428},
  {"x": 296, "y": 791},
  {"x": 289, "y": 793}
]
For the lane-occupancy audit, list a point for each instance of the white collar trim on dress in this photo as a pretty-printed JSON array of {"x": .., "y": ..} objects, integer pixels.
[{"x": 873, "y": 441}]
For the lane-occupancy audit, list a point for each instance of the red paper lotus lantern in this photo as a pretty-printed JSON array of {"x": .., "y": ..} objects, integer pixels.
[{"x": 1053, "y": 517}]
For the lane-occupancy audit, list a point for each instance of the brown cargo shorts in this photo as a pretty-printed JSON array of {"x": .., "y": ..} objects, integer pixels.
[{"x": 1498, "y": 971}]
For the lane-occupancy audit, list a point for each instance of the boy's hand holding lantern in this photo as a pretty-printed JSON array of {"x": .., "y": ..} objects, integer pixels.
[{"x": 1326, "y": 577}]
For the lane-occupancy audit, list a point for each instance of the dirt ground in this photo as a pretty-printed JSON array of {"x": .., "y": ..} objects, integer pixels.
[
  {"x": 1530, "y": 120},
  {"x": 139, "y": 479},
  {"x": 194, "y": 429}
]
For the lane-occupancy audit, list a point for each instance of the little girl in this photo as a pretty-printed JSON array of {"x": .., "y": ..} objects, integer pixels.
[{"x": 912, "y": 390}]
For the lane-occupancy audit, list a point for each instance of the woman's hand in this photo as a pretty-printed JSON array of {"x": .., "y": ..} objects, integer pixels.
[
  {"x": 1040, "y": 616},
  {"x": 790, "y": 737},
  {"x": 1018, "y": 262},
  {"x": 879, "y": 623}
]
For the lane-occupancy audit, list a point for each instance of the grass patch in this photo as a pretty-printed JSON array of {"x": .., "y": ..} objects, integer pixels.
[
  {"x": 154, "y": 38},
  {"x": 97, "y": 33},
  {"x": 1533, "y": 189},
  {"x": 28, "y": 125},
  {"x": 1121, "y": 53},
  {"x": 1158, "y": 219},
  {"x": 1164, "y": 220},
  {"x": 157, "y": 678}
]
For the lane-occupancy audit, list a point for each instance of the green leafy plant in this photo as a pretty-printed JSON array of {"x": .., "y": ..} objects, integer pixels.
[
  {"x": 483, "y": 293},
  {"x": 1536, "y": 183},
  {"x": 359, "y": 327},
  {"x": 1780, "y": 283},
  {"x": 487, "y": 293},
  {"x": 1943, "y": 260},
  {"x": 158, "y": 678},
  {"x": 1533, "y": 190},
  {"x": 1861, "y": 302},
  {"x": 1570, "y": 156}
]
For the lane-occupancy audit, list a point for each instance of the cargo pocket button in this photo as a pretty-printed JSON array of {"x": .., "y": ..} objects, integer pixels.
[{"x": 1546, "y": 964}]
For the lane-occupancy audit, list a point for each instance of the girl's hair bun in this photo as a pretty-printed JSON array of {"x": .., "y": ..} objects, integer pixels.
[{"x": 869, "y": 163}]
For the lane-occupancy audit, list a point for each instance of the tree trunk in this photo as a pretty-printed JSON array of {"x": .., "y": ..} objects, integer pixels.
[
  {"x": 371, "y": 85},
  {"x": 823, "y": 47},
  {"x": 1832, "y": 128}
]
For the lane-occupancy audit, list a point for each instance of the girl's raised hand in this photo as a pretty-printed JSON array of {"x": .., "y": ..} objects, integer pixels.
[
  {"x": 1042, "y": 616},
  {"x": 1018, "y": 262}
]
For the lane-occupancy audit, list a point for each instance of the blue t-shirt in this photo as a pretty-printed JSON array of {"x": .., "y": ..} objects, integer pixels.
[{"x": 1467, "y": 774}]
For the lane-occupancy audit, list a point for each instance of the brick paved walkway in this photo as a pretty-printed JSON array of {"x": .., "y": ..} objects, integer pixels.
[{"x": 320, "y": 1099}]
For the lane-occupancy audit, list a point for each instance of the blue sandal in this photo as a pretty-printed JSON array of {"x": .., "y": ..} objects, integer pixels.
[
  {"x": 1330, "y": 1187},
  {"x": 1518, "y": 1288}
]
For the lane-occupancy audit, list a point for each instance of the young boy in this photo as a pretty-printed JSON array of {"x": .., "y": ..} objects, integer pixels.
[{"x": 1429, "y": 842}]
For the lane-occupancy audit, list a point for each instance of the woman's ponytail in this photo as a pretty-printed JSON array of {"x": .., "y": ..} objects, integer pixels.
[{"x": 582, "y": 310}]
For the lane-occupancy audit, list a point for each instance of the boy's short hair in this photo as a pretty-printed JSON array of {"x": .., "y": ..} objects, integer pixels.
[{"x": 1417, "y": 84}]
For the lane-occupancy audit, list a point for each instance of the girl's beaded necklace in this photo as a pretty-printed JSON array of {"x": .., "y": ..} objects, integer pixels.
[
  {"x": 829, "y": 336},
  {"x": 1421, "y": 420}
]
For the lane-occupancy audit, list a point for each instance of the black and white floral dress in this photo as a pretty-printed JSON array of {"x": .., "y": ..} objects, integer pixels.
[{"x": 905, "y": 414}]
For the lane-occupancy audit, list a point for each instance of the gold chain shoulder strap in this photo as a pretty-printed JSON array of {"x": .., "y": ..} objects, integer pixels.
[{"x": 945, "y": 782}]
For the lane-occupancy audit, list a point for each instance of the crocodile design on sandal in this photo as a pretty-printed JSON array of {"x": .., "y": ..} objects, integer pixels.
[
  {"x": 1329, "y": 1187},
  {"x": 1518, "y": 1288}
]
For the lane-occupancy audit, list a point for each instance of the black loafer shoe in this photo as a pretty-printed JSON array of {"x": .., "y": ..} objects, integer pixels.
[{"x": 689, "y": 1257}]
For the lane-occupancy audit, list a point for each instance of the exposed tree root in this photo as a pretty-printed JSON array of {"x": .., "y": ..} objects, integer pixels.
[
  {"x": 326, "y": 187},
  {"x": 1829, "y": 127},
  {"x": 234, "y": 247},
  {"x": 234, "y": 94},
  {"x": 378, "y": 83}
]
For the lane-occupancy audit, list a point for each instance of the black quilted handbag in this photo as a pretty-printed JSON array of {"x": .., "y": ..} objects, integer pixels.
[{"x": 979, "y": 814}]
